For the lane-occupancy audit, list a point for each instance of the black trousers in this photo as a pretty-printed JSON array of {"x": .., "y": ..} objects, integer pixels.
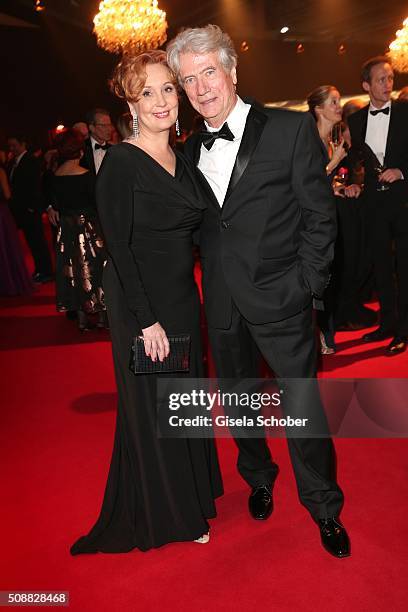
[
  {"x": 31, "y": 224},
  {"x": 387, "y": 228},
  {"x": 288, "y": 346}
]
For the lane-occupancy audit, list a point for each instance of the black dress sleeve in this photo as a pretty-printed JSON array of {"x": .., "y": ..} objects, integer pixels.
[{"x": 114, "y": 198}]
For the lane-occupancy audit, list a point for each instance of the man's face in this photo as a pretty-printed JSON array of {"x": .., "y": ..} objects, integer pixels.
[
  {"x": 209, "y": 88},
  {"x": 16, "y": 147},
  {"x": 101, "y": 130},
  {"x": 381, "y": 84}
]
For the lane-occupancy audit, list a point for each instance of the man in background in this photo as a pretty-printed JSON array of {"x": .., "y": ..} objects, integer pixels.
[
  {"x": 27, "y": 205},
  {"x": 100, "y": 130}
]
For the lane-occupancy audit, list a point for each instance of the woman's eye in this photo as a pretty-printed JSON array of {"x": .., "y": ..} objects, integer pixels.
[
  {"x": 146, "y": 93},
  {"x": 169, "y": 88}
]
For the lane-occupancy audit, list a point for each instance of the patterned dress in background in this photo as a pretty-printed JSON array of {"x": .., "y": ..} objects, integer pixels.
[{"x": 80, "y": 252}]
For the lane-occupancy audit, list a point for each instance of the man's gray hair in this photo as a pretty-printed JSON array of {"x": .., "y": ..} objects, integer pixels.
[{"x": 202, "y": 40}]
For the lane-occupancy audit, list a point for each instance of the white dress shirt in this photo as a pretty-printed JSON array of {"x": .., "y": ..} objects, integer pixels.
[
  {"x": 217, "y": 163},
  {"x": 377, "y": 131},
  {"x": 98, "y": 154}
]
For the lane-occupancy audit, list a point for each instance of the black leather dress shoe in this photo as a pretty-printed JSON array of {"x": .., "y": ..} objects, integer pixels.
[
  {"x": 397, "y": 345},
  {"x": 377, "y": 335},
  {"x": 334, "y": 537},
  {"x": 260, "y": 503}
]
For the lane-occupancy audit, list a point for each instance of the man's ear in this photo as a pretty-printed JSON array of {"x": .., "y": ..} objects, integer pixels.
[
  {"x": 234, "y": 75},
  {"x": 366, "y": 86}
]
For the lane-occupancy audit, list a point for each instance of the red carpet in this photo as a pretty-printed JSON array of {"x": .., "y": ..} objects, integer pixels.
[{"x": 57, "y": 424}]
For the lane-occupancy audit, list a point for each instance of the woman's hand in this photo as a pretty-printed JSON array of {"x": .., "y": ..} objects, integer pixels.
[
  {"x": 338, "y": 153},
  {"x": 352, "y": 191},
  {"x": 53, "y": 215},
  {"x": 156, "y": 343}
]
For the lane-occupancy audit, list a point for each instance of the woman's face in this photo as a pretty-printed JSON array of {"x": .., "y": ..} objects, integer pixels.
[
  {"x": 331, "y": 108},
  {"x": 157, "y": 106}
]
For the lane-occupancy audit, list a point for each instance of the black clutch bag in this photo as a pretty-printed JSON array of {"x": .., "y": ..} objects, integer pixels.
[{"x": 178, "y": 359}]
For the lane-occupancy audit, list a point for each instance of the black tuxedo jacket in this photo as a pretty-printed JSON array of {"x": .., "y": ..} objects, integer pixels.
[
  {"x": 396, "y": 153},
  {"x": 87, "y": 160},
  {"x": 270, "y": 246},
  {"x": 25, "y": 185}
]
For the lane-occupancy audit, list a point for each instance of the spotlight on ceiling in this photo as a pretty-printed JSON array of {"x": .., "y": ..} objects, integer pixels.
[
  {"x": 341, "y": 49},
  {"x": 60, "y": 128},
  {"x": 244, "y": 46},
  {"x": 39, "y": 6},
  {"x": 284, "y": 30},
  {"x": 300, "y": 48}
]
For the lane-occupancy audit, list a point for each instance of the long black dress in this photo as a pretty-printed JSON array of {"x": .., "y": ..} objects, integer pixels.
[{"x": 159, "y": 490}]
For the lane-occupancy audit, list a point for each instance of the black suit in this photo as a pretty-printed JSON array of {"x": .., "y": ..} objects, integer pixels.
[
  {"x": 27, "y": 206},
  {"x": 264, "y": 254},
  {"x": 87, "y": 160},
  {"x": 387, "y": 215}
]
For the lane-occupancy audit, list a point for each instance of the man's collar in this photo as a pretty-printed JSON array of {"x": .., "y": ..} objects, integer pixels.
[
  {"x": 95, "y": 142},
  {"x": 374, "y": 108}
]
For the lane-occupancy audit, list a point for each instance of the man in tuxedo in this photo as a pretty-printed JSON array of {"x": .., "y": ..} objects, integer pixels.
[
  {"x": 27, "y": 205},
  {"x": 379, "y": 134},
  {"x": 100, "y": 130},
  {"x": 266, "y": 244}
]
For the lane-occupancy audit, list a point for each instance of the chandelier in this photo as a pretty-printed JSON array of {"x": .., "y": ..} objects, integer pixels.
[
  {"x": 130, "y": 26},
  {"x": 398, "y": 52}
]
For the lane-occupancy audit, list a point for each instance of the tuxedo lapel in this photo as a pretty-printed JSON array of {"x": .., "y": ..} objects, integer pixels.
[
  {"x": 88, "y": 159},
  {"x": 392, "y": 130},
  {"x": 363, "y": 125},
  {"x": 253, "y": 129}
]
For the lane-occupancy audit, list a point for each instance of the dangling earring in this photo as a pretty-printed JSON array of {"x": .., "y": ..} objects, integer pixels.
[
  {"x": 135, "y": 126},
  {"x": 178, "y": 131}
]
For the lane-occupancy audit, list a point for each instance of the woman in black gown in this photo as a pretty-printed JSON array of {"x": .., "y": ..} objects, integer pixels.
[
  {"x": 325, "y": 105},
  {"x": 159, "y": 490}
]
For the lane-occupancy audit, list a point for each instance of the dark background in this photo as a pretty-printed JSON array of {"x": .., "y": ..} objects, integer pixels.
[{"x": 52, "y": 70}]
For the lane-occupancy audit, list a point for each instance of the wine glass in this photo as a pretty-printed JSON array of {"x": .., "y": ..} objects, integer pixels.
[
  {"x": 336, "y": 135},
  {"x": 379, "y": 169}
]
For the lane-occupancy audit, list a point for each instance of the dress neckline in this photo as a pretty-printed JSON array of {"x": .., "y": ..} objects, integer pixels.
[{"x": 172, "y": 176}]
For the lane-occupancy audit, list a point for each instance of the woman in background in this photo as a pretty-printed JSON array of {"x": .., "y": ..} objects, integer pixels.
[
  {"x": 80, "y": 253},
  {"x": 14, "y": 277},
  {"x": 325, "y": 105}
]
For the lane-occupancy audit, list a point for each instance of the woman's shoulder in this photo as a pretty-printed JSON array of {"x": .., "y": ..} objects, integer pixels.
[{"x": 118, "y": 151}]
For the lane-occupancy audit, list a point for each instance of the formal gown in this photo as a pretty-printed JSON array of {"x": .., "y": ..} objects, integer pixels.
[
  {"x": 14, "y": 277},
  {"x": 80, "y": 252},
  {"x": 159, "y": 490}
]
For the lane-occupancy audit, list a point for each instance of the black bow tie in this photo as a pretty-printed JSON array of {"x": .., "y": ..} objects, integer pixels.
[
  {"x": 208, "y": 138},
  {"x": 386, "y": 111},
  {"x": 104, "y": 147}
]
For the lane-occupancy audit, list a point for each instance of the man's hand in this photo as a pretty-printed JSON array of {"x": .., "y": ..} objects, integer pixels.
[
  {"x": 155, "y": 342},
  {"x": 53, "y": 216},
  {"x": 352, "y": 191},
  {"x": 391, "y": 175}
]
